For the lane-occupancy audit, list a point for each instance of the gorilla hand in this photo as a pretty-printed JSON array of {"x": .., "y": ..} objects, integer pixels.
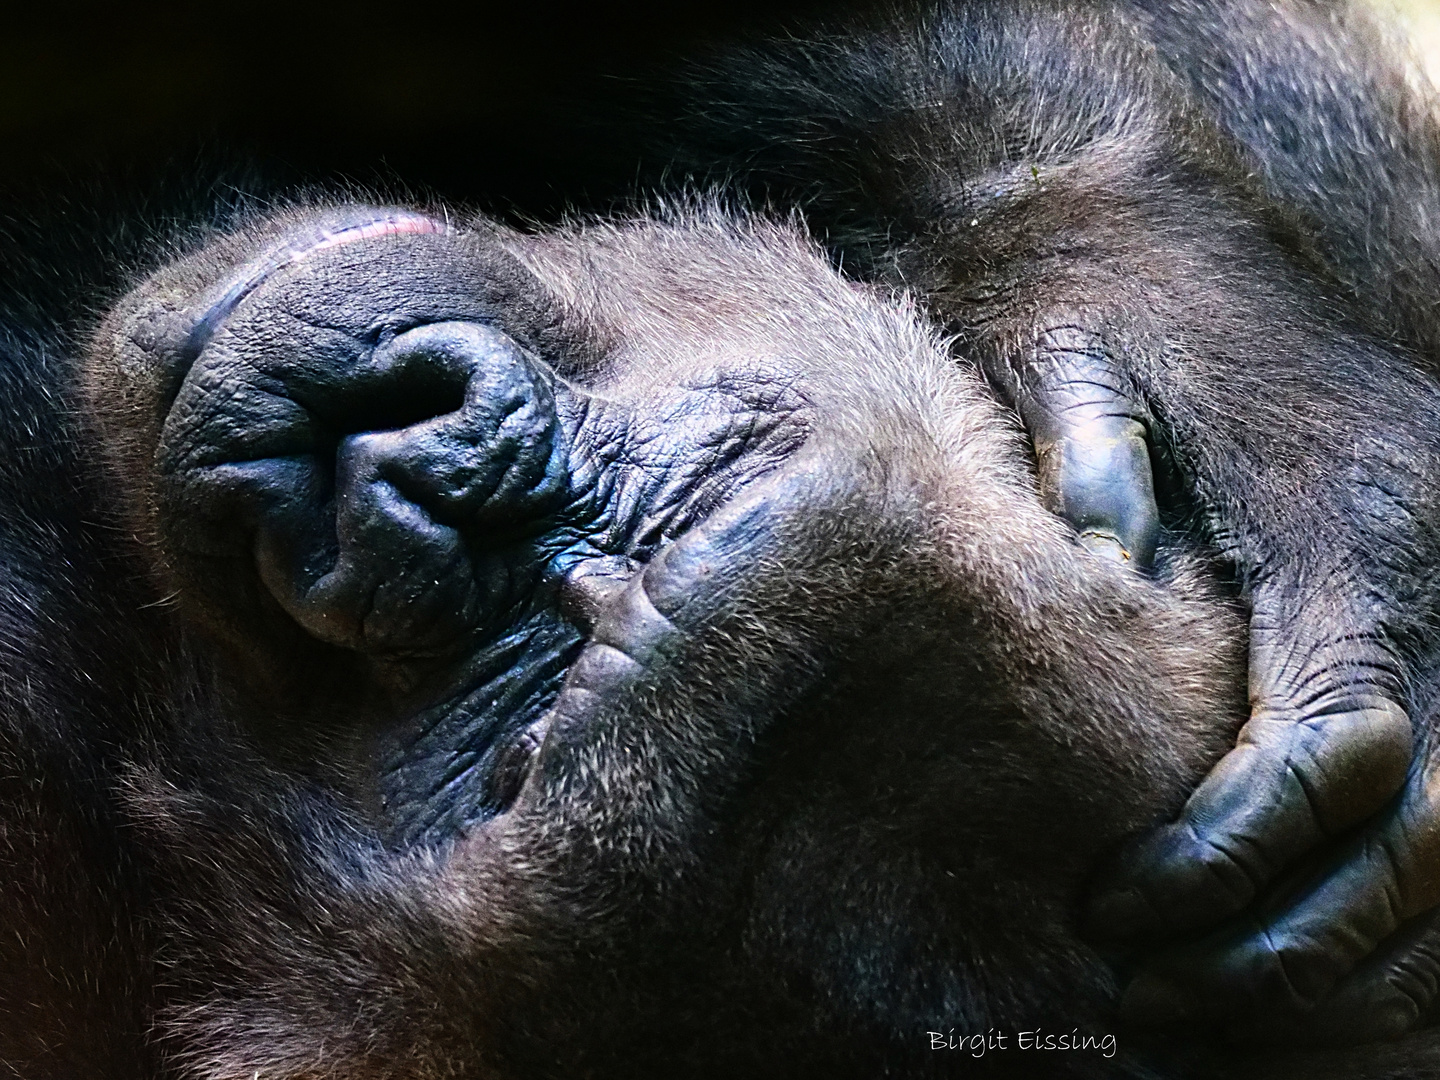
[
  {"x": 1327, "y": 745},
  {"x": 1091, "y": 450},
  {"x": 1355, "y": 958},
  {"x": 1102, "y": 256},
  {"x": 1321, "y": 554}
]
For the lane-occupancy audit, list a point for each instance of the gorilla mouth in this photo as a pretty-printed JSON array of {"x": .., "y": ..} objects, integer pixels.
[
  {"x": 288, "y": 255},
  {"x": 418, "y": 489}
]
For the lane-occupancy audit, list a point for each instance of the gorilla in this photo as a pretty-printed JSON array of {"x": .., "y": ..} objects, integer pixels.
[{"x": 637, "y": 647}]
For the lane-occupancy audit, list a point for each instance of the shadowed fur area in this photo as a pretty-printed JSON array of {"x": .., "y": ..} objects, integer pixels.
[{"x": 706, "y": 642}]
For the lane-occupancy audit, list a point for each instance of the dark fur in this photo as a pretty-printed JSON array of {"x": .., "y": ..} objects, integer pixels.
[
  {"x": 290, "y": 937},
  {"x": 1241, "y": 228}
]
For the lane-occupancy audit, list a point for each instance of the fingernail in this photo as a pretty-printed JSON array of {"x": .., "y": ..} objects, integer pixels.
[
  {"x": 1153, "y": 1001},
  {"x": 1105, "y": 545}
]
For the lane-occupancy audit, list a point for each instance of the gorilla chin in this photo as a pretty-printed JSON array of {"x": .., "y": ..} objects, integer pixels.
[{"x": 632, "y": 649}]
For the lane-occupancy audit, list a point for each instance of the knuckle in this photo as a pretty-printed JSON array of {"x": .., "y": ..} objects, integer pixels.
[{"x": 1233, "y": 867}]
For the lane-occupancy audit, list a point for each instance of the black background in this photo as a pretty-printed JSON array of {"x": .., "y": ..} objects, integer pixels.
[{"x": 511, "y": 107}]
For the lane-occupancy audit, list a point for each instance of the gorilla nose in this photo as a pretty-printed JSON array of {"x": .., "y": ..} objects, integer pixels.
[
  {"x": 491, "y": 458},
  {"x": 458, "y": 451},
  {"x": 382, "y": 495}
]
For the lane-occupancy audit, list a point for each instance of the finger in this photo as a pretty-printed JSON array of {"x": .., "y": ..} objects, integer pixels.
[
  {"x": 1299, "y": 773},
  {"x": 1281, "y": 963},
  {"x": 1091, "y": 448},
  {"x": 1391, "y": 993}
]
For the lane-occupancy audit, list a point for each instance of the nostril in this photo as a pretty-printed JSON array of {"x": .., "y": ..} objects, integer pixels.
[
  {"x": 458, "y": 440},
  {"x": 385, "y": 495},
  {"x": 462, "y": 423},
  {"x": 425, "y": 395}
]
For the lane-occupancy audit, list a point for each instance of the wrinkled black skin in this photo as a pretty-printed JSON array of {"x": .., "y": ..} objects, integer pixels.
[{"x": 1207, "y": 226}]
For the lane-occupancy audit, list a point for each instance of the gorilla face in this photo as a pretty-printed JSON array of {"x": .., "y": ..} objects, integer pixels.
[{"x": 627, "y": 649}]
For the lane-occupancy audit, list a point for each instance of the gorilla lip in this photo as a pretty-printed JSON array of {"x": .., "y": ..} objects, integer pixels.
[{"x": 396, "y": 223}]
